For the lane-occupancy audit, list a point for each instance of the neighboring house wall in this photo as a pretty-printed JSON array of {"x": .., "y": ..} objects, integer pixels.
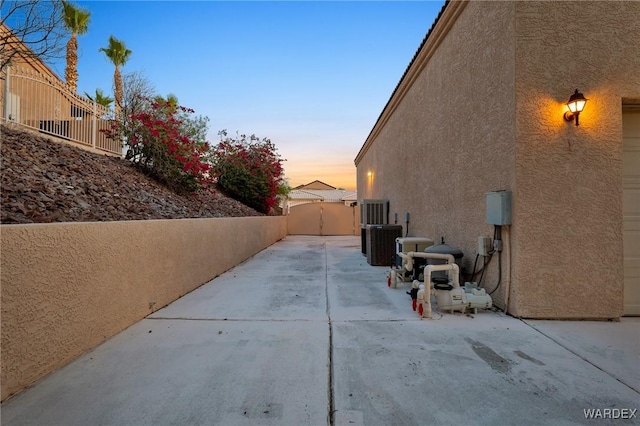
[
  {"x": 31, "y": 84},
  {"x": 45, "y": 104},
  {"x": 24, "y": 58},
  {"x": 481, "y": 110},
  {"x": 67, "y": 287}
]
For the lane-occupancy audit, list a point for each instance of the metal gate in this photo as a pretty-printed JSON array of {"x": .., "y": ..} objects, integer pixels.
[{"x": 324, "y": 219}]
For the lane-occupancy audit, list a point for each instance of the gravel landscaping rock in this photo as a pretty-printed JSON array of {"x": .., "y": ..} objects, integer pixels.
[{"x": 47, "y": 181}]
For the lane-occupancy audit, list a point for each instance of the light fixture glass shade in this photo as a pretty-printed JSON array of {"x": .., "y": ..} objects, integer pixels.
[{"x": 576, "y": 102}]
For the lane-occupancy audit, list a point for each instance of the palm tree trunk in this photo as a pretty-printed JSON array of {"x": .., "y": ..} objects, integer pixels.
[
  {"x": 71, "y": 71},
  {"x": 117, "y": 83}
]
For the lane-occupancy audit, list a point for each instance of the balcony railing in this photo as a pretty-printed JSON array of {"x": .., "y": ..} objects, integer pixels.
[{"x": 34, "y": 100}]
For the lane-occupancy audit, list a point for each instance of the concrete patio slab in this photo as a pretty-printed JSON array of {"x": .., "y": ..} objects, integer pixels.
[
  {"x": 194, "y": 372},
  {"x": 307, "y": 333},
  {"x": 458, "y": 370},
  {"x": 613, "y": 347}
]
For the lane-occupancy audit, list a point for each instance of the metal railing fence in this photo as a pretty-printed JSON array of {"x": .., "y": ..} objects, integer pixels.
[{"x": 39, "y": 102}]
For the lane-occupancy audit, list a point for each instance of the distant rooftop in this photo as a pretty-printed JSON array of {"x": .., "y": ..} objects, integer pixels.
[
  {"x": 316, "y": 184},
  {"x": 330, "y": 195}
]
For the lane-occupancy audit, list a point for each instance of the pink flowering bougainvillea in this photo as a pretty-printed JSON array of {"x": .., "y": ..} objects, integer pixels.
[
  {"x": 249, "y": 169},
  {"x": 158, "y": 142}
]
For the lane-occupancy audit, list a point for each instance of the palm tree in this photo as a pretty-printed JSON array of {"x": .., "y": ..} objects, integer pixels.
[
  {"x": 100, "y": 98},
  {"x": 171, "y": 101},
  {"x": 118, "y": 53},
  {"x": 76, "y": 20}
]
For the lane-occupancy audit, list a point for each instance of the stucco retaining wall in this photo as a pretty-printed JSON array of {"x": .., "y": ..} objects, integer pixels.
[{"x": 68, "y": 287}]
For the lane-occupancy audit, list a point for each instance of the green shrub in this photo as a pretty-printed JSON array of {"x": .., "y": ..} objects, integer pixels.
[{"x": 248, "y": 169}]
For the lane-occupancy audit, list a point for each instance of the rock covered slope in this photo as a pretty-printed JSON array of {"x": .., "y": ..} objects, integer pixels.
[{"x": 46, "y": 181}]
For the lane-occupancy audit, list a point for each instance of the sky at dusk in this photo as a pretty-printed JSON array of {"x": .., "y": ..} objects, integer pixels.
[{"x": 311, "y": 76}]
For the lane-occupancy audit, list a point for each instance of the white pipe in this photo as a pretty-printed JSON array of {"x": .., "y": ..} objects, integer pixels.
[
  {"x": 424, "y": 301},
  {"x": 408, "y": 257},
  {"x": 407, "y": 262},
  {"x": 448, "y": 267},
  {"x": 426, "y": 295}
]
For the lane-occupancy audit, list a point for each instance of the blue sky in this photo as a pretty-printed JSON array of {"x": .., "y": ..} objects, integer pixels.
[{"x": 311, "y": 76}]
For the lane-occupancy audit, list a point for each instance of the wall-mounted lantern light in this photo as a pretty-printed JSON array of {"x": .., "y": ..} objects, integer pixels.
[{"x": 576, "y": 104}]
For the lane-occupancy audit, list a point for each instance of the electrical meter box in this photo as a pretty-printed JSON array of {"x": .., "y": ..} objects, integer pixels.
[{"x": 499, "y": 208}]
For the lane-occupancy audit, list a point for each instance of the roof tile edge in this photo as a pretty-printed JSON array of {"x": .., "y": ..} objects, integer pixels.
[{"x": 441, "y": 26}]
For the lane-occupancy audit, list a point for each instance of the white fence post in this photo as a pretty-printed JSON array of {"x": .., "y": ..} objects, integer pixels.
[
  {"x": 6, "y": 95},
  {"x": 94, "y": 125}
]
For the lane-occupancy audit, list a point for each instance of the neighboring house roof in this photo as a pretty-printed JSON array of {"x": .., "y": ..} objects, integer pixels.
[
  {"x": 316, "y": 184},
  {"x": 352, "y": 197},
  {"x": 24, "y": 54},
  {"x": 329, "y": 195}
]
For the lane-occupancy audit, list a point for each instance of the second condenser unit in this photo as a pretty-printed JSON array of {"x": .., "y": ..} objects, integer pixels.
[
  {"x": 372, "y": 212},
  {"x": 381, "y": 244}
]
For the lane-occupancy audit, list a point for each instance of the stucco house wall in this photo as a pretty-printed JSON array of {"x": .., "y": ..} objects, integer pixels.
[
  {"x": 450, "y": 139},
  {"x": 27, "y": 75},
  {"x": 24, "y": 57},
  {"x": 568, "y": 251},
  {"x": 481, "y": 109}
]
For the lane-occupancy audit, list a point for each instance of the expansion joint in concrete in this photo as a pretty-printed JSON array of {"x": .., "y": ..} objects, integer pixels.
[
  {"x": 560, "y": 343},
  {"x": 231, "y": 319},
  {"x": 330, "y": 419}
]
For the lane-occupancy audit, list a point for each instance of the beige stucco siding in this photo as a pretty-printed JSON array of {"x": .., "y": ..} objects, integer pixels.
[
  {"x": 568, "y": 238},
  {"x": 481, "y": 109},
  {"x": 67, "y": 287},
  {"x": 450, "y": 140}
]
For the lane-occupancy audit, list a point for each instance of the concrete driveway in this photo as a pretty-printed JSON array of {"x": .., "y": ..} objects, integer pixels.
[{"x": 307, "y": 333}]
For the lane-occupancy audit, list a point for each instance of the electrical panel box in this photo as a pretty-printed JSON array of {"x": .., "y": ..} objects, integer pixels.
[
  {"x": 484, "y": 245},
  {"x": 499, "y": 208}
]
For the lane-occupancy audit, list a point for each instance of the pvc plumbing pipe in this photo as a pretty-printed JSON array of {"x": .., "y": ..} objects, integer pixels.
[
  {"x": 408, "y": 257},
  {"x": 424, "y": 295}
]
